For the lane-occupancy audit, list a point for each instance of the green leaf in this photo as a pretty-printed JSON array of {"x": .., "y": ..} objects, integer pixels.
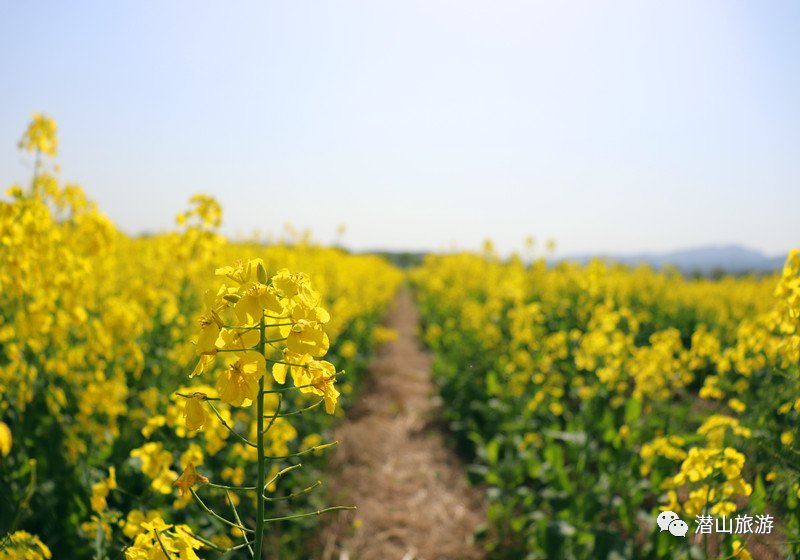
[
  {"x": 578, "y": 438},
  {"x": 759, "y": 495},
  {"x": 633, "y": 410},
  {"x": 492, "y": 451}
]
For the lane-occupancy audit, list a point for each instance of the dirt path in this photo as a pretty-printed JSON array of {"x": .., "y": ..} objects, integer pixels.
[{"x": 414, "y": 502}]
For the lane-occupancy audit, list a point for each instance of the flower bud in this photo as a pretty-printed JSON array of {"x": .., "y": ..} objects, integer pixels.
[{"x": 261, "y": 273}]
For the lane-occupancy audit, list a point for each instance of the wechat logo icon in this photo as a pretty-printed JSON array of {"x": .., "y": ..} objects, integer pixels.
[{"x": 669, "y": 521}]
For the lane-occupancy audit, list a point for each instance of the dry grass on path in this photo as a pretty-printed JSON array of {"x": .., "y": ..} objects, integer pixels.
[{"x": 414, "y": 502}]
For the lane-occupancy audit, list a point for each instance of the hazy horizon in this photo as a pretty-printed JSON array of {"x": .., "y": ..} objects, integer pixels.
[{"x": 618, "y": 128}]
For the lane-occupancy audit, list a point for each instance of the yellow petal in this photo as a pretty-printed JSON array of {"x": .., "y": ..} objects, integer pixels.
[
  {"x": 194, "y": 414},
  {"x": 5, "y": 439}
]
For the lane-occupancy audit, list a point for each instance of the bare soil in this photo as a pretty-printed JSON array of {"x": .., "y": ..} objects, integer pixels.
[{"x": 413, "y": 499}]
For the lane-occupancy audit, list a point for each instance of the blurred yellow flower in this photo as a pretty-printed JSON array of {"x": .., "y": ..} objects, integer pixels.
[
  {"x": 5, "y": 439},
  {"x": 40, "y": 136}
]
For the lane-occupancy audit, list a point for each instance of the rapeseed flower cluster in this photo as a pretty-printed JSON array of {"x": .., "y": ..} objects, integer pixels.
[
  {"x": 591, "y": 396},
  {"x": 97, "y": 332}
]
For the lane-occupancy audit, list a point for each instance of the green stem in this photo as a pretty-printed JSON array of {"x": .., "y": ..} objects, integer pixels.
[
  {"x": 98, "y": 543},
  {"x": 238, "y": 520},
  {"x": 324, "y": 379},
  {"x": 230, "y": 429},
  {"x": 254, "y": 348},
  {"x": 304, "y": 366},
  {"x": 260, "y": 502},
  {"x": 274, "y": 416},
  {"x": 36, "y": 166},
  {"x": 161, "y": 544},
  {"x": 280, "y": 474},
  {"x": 210, "y": 544},
  {"x": 29, "y": 491},
  {"x": 295, "y": 494},
  {"x": 293, "y": 412},
  {"x": 217, "y": 548},
  {"x": 234, "y": 488},
  {"x": 309, "y": 514},
  {"x": 209, "y": 511},
  {"x": 301, "y": 453}
]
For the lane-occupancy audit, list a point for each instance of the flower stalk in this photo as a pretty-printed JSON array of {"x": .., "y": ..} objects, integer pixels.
[
  {"x": 237, "y": 329},
  {"x": 260, "y": 447}
]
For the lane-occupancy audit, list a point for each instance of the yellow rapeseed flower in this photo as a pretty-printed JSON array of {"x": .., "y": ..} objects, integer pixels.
[
  {"x": 40, "y": 136},
  {"x": 238, "y": 383},
  {"x": 306, "y": 335},
  {"x": 189, "y": 478},
  {"x": 321, "y": 376},
  {"x": 195, "y": 413},
  {"x": 21, "y": 545},
  {"x": 5, "y": 439}
]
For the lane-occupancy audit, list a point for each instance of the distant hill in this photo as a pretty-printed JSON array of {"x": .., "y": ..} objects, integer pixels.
[
  {"x": 704, "y": 261},
  {"x": 732, "y": 259}
]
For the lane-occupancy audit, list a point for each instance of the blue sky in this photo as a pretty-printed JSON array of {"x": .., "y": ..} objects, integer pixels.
[{"x": 608, "y": 126}]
